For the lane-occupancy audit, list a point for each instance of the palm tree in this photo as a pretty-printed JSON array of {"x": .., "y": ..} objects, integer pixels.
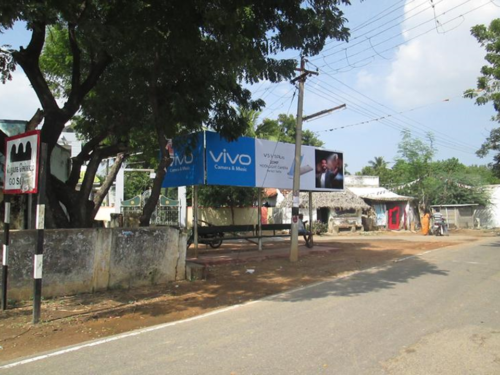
[
  {"x": 250, "y": 116},
  {"x": 378, "y": 163}
]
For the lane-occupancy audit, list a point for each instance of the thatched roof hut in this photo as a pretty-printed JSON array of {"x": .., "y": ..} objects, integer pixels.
[{"x": 341, "y": 200}]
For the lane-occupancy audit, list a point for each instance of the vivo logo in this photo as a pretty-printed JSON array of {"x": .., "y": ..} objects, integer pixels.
[
  {"x": 186, "y": 159},
  {"x": 226, "y": 157}
]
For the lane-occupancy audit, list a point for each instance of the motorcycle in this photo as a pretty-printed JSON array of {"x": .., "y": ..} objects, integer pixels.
[{"x": 440, "y": 229}]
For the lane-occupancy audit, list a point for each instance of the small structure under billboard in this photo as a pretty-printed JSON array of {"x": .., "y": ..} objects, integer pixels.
[{"x": 21, "y": 163}]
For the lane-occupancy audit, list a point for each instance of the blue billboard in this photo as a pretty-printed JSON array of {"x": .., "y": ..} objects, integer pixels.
[
  {"x": 230, "y": 163},
  {"x": 188, "y": 166}
]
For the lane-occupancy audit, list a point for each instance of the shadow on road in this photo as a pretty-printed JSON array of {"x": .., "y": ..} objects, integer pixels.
[{"x": 367, "y": 281}]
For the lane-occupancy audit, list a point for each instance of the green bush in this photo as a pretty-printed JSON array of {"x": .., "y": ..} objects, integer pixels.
[{"x": 319, "y": 227}]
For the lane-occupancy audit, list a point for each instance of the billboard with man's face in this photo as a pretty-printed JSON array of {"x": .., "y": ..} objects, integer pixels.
[
  {"x": 329, "y": 170},
  {"x": 263, "y": 163}
]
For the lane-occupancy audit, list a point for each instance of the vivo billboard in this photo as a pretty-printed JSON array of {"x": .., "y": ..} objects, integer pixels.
[
  {"x": 188, "y": 166},
  {"x": 262, "y": 163}
]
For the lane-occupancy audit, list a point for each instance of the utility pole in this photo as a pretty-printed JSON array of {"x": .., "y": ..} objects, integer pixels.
[{"x": 294, "y": 243}]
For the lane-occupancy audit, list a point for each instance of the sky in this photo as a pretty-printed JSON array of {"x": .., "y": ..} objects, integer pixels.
[{"x": 406, "y": 65}]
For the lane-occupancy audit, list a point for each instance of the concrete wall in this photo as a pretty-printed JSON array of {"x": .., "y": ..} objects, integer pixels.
[
  {"x": 88, "y": 260},
  {"x": 489, "y": 217},
  {"x": 223, "y": 216}
]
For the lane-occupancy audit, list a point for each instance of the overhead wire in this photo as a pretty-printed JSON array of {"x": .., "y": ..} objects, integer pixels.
[
  {"x": 351, "y": 64},
  {"x": 395, "y": 113},
  {"x": 395, "y": 124},
  {"x": 432, "y": 20},
  {"x": 376, "y": 28}
]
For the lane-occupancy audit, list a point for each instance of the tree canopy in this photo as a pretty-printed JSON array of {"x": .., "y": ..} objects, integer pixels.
[
  {"x": 488, "y": 86},
  {"x": 416, "y": 174},
  {"x": 139, "y": 72},
  {"x": 283, "y": 130}
]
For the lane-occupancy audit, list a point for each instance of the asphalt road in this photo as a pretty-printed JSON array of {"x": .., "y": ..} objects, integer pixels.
[{"x": 438, "y": 313}]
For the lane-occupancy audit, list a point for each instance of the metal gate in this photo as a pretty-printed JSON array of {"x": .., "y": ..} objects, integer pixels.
[{"x": 166, "y": 211}]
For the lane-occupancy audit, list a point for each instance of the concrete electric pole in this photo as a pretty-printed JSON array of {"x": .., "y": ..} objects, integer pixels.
[{"x": 294, "y": 243}]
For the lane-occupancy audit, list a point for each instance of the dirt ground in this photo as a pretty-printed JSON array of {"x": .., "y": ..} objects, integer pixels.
[{"x": 75, "y": 319}]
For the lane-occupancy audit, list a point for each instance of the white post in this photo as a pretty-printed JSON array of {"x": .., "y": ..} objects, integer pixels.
[
  {"x": 119, "y": 190},
  {"x": 181, "y": 194}
]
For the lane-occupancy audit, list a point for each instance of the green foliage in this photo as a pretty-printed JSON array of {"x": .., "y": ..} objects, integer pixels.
[
  {"x": 138, "y": 72},
  {"x": 431, "y": 182},
  {"x": 488, "y": 86},
  {"x": 319, "y": 227},
  {"x": 226, "y": 196},
  {"x": 283, "y": 129},
  {"x": 135, "y": 184}
]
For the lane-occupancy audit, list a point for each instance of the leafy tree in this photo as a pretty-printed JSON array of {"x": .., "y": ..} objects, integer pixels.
[
  {"x": 283, "y": 130},
  {"x": 135, "y": 184},
  {"x": 378, "y": 162},
  {"x": 181, "y": 63},
  {"x": 431, "y": 182},
  {"x": 488, "y": 86}
]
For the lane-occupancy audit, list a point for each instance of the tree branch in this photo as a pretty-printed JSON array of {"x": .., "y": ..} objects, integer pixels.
[
  {"x": 110, "y": 178},
  {"x": 28, "y": 59},
  {"x": 76, "y": 68},
  {"x": 93, "y": 166},
  {"x": 88, "y": 179},
  {"x": 82, "y": 157},
  {"x": 96, "y": 70},
  {"x": 35, "y": 120},
  {"x": 165, "y": 160}
]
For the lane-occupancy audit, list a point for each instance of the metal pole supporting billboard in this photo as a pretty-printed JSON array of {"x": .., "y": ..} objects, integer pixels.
[
  {"x": 195, "y": 220},
  {"x": 40, "y": 227},
  {"x": 5, "y": 256},
  {"x": 259, "y": 217},
  {"x": 311, "y": 216}
]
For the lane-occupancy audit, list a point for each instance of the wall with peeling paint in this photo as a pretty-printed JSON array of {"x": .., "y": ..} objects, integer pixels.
[{"x": 88, "y": 260}]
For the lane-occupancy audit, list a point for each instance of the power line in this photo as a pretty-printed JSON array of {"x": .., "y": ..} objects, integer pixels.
[
  {"x": 372, "y": 57},
  {"x": 396, "y": 122},
  {"x": 379, "y": 118},
  {"x": 395, "y": 113},
  {"x": 402, "y": 32},
  {"x": 390, "y": 123},
  {"x": 376, "y": 28}
]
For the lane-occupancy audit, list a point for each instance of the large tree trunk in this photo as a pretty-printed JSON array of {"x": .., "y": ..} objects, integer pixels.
[{"x": 55, "y": 117}]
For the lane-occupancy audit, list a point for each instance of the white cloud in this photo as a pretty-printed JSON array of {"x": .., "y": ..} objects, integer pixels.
[
  {"x": 18, "y": 101},
  {"x": 438, "y": 64},
  {"x": 366, "y": 79}
]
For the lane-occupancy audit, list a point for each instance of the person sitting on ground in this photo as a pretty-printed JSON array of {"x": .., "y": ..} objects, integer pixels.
[{"x": 302, "y": 228}]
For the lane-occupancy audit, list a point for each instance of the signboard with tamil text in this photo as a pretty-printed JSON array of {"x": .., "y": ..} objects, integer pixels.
[{"x": 21, "y": 163}]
